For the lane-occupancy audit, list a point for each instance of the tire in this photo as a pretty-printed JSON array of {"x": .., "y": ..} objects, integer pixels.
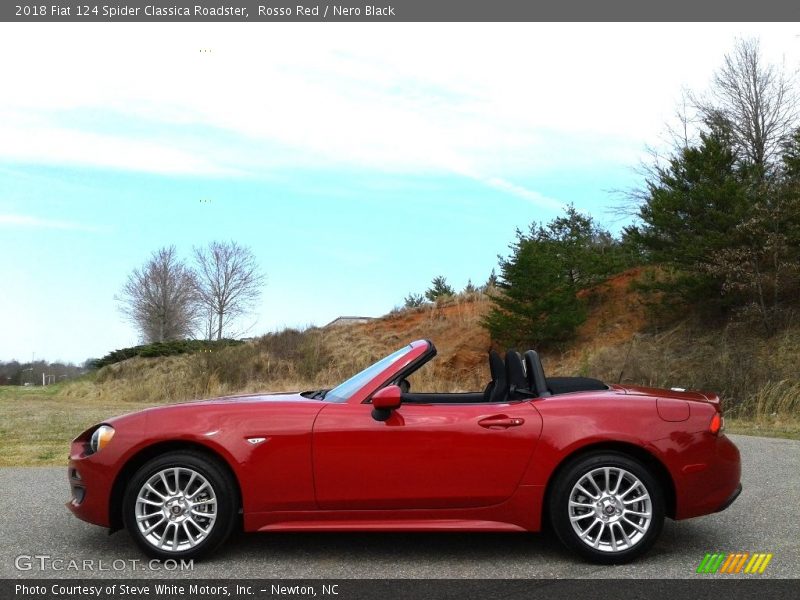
[
  {"x": 181, "y": 505},
  {"x": 614, "y": 520}
]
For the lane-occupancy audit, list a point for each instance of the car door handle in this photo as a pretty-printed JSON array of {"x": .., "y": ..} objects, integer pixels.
[{"x": 501, "y": 422}]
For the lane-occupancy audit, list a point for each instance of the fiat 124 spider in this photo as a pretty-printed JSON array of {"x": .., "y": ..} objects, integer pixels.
[{"x": 603, "y": 464}]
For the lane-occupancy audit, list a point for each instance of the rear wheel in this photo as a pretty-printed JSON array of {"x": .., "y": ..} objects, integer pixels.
[
  {"x": 180, "y": 505},
  {"x": 607, "y": 507}
]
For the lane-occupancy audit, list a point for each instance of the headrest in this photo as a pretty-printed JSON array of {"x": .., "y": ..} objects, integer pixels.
[
  {"x": 515, "y": 372},
  {"x": 496, "y": 367},
  {"x": 536, "y": 378}
]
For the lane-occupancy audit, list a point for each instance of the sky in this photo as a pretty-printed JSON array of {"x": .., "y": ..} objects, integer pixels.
[{"x": 356, "y": 160}]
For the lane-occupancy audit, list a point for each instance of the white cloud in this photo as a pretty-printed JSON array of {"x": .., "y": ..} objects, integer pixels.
[
  {"x": 48, "y": 142},
  {"x": 531, "y": 196},
  {"x": 14, "y": 220},
  {"x": 499, "y": 100}
]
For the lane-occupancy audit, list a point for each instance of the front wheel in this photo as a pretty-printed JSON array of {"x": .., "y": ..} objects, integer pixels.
[
  {"x": 180, "y": 505},
  {"x": 607, "y": 507}
]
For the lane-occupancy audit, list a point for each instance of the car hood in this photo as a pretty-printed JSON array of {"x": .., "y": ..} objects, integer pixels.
[
  {"x": 250, "y": 398},
  {"x": 211, "y": 403}
]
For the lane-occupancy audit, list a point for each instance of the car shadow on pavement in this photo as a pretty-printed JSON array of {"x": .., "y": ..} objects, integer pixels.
[{"x": 375, "y": 554}]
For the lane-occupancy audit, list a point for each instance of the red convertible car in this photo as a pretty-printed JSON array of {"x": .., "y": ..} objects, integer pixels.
[{"x": 603, "y": 464}]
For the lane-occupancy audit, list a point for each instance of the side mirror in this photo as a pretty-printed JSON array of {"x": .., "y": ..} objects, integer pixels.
[{"x": 384, "y": 401}]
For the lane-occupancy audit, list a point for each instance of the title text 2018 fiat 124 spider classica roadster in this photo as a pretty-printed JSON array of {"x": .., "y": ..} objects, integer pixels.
[{"x": 603, "y": 464}]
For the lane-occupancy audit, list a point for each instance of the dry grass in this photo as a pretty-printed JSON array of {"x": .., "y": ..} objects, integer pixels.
[
  {"x": 38, "y": 423},
  {"x": 756, "y": 376},
  {"x": 772, "y": 400}
]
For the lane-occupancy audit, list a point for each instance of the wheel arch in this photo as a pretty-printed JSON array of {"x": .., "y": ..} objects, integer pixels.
[
  {"x": 651, "y": 461},
  {"x": 147, "y": 453}
]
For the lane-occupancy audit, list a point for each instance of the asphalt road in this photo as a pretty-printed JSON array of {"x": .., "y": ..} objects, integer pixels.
[{"x": 765, "y": 518}]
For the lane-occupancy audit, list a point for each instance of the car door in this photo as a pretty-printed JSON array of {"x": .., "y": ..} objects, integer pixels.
[{"x": 423, "y": 456}]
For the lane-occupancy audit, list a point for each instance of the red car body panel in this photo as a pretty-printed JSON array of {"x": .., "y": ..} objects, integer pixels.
[
  {"x": 478, "y": 466},
  {"x": 423, "y": 456}
]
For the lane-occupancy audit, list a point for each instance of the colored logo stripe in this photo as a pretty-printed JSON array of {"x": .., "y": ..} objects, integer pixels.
[
  {"x": 722, "y": 562},
  {"x": 734, "y": 562},
  {"x": 758, "y": 563},
  {"x": 710, "y": 563}
]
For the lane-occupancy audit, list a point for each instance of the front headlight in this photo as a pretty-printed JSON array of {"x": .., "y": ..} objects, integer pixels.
[{"x": 101, "y": 437}]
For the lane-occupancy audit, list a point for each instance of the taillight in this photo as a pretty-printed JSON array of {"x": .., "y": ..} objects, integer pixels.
[{"x": 717, "y": 424}]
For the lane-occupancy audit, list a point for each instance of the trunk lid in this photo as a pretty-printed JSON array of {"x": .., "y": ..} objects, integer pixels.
[{"x": 675, "y": 394}]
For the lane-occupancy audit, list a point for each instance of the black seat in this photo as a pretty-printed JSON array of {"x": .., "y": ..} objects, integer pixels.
[
  {"x": 566, "y": 385},
  {"x": 535, "y": 371},
  {"x": 518, "y": 387},
  {"x": 548, "y": 386},
  {"x": 497, "y": 390}
]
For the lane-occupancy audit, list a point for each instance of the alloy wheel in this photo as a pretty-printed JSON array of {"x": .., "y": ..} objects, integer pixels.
[
  {"x": 176, "y": 509},
  {"x": 610, "y": 509}
]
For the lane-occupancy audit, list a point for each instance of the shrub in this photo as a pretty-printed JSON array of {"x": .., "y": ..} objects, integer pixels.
[{"x": 170, "y": 348}]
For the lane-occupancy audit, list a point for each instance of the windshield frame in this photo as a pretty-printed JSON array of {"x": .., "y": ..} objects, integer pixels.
[{"x": 367, "y": 381}]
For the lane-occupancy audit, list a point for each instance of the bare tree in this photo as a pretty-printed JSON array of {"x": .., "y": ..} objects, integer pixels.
[
  {"x": 229, "y": 283},
  {"x": 209, "y": 321},
  {"x": 160, "y": 299},
  {"x": 757, "y": 99}
]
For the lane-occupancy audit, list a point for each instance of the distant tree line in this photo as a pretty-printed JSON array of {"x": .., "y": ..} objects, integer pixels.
[
  {"x": 170, "y": 299},
  {"x": 14, "y": 372}
]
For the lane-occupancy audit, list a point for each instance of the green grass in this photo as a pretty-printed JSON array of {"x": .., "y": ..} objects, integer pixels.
[
  {"x": 39, "y": 423},
  {"x": 786, "y": 428}
]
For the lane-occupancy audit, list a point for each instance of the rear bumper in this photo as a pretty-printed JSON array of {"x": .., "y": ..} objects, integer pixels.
[{"x": 707, "y": 474}]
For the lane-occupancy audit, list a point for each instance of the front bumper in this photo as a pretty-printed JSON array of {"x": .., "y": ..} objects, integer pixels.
[
  {"x": 90, "y": 485},
  {"x": 731, "y": 499}
]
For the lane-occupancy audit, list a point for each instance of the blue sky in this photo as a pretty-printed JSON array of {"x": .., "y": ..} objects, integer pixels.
[{"x": 356, "y": 162}]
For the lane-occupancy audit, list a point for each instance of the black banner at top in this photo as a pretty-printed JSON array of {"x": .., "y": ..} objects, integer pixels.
[{"x": 399, "y": 10}]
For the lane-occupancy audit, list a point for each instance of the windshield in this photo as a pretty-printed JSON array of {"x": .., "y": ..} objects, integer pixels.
[{"x": 343, "y": 391}]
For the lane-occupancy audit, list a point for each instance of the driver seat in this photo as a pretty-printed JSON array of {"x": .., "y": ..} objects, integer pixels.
[{"x": 497, "y": 390}]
